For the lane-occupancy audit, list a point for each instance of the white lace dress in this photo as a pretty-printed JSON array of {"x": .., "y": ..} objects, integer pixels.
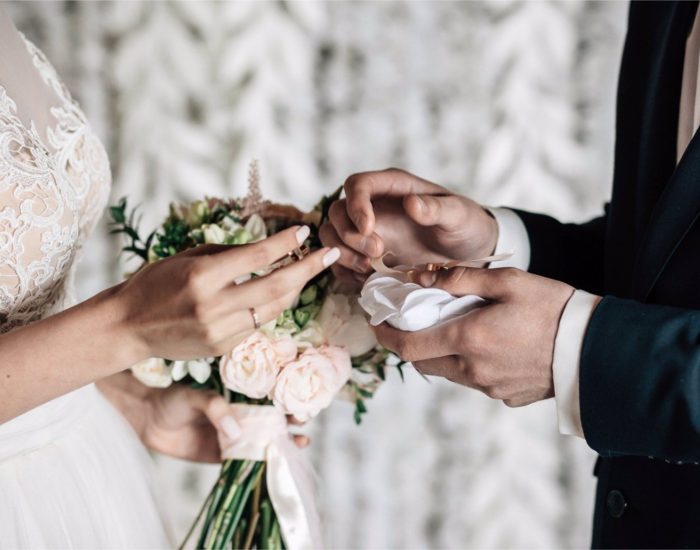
[{"x": 73, "y": 473}]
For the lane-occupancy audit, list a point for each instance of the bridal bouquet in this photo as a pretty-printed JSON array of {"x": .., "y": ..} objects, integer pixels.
[{"x": 294, "y": 365}]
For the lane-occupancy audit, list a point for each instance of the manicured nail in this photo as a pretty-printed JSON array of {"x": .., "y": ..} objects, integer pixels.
[
  {"x": 302, "y": 234},
  {"x": 421, "y": 204},
  {"x": 230, "y": 427},
  {"x": 331, "y": 257}
]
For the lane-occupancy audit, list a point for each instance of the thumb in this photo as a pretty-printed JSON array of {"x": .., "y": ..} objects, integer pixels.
[
  {"x": 491, "y": 284},
  {"x": 219, "y": 413},
  {"x": 446, "y": 211}
]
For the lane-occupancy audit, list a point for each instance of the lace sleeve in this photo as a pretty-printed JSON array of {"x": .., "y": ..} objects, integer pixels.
[{"x": 37, "y": 227}]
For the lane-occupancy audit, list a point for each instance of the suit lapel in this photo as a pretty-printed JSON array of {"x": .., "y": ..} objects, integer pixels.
[
  {"x": 667, "y": 200},
  {"x": 676, "y": 211}
]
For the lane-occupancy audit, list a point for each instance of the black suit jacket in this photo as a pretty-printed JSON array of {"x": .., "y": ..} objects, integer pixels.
[{"x": 640, "y": 363}]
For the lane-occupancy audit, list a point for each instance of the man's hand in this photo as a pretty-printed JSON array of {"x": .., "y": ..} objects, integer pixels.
[
  {"x": 417, "y": 221},
  {"x": 504, "y": 348}
]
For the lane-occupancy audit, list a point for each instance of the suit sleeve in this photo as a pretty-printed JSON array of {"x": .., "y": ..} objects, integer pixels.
[
  {"x": 572, "y": 253},
  {"x": 640, "y": 381}
]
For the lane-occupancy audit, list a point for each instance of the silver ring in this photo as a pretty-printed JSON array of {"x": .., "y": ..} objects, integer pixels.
[{"x": 256, "y": 319}]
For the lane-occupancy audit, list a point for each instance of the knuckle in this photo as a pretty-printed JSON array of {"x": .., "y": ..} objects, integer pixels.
[
  {"x": 196, "y": 275},
  {"x": 392, "y": 170},
  {"x": 353, "y": 182},
  {"x": 508, "y": 275},
  {"x": 260, "y": 256}
]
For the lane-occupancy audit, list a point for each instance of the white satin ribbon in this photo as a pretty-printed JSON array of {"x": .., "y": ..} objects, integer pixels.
[{"x": 290, "y": 480}]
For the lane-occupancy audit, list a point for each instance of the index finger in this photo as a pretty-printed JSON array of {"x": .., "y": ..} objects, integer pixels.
[
  {"x": 361, "y": 188},
  {"x": 245, "y": 259}
]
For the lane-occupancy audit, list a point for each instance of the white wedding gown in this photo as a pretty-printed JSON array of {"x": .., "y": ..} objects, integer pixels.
[{"x": 73, "y": 473}]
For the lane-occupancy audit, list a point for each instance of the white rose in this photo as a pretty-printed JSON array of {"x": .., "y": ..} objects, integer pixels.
[
  {"x": 344, "y": 324},
  {"x": 213, "y": 234},
  {"x": 312, "y": 335},
  {"x": 153, "y": 372},
  {"x": 198, "y": 369},
  {"x": 253, "y": 365},
  {"x": 306, "y": 386},
  {"x": 255, "y": 226}
]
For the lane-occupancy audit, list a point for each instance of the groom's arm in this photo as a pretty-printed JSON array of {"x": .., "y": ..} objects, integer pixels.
[
  {"x": 640, "y": 380},
  {"x": 572, "y": 253}
]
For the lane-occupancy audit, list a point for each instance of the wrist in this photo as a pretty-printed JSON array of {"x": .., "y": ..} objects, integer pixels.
[{"x": 128, "y": 346}]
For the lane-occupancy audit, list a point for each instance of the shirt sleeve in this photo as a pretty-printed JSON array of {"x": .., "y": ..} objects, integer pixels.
[
  {"x": 513, "y": 238},
  {"x": 567, "y": 359}
]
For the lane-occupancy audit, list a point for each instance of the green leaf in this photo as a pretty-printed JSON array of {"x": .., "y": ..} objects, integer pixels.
[
  {"x": 360, "y": 406},
  {"x": 117, "y": 213},
  {"x": 308, "y": 296}
]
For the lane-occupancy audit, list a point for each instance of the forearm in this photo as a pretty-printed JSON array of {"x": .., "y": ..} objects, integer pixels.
[
  {"x": 128, "y": 396},
  {"x": 640, "y": 380},
  {"x": 572, "y": 253},
  {"x": 61, "y": 353}
]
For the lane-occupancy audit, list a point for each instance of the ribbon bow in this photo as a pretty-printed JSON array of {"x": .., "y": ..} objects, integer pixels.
[{"x": 265, "y": 437}]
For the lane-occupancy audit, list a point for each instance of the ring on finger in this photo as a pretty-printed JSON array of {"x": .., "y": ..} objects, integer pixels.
[{"x": 256, "y": 318}]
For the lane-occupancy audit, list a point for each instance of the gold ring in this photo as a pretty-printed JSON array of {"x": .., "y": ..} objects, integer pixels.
[{"x": 256, "y": 319}]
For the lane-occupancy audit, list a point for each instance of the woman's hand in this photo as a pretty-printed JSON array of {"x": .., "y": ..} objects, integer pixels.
[
  {"x": 178, "y": 421},
  {"x": 189, "y": 306}
]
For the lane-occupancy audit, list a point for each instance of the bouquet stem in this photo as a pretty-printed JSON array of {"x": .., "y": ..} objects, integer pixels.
[{"x": 238, "y": 512}]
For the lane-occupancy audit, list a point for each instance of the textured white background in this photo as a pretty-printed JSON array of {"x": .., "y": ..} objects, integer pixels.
[{"x": 510, "y": 102}]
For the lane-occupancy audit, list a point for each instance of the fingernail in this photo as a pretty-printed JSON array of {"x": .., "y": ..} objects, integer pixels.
[
  {"x": 359, "y": 277},
  {"x": 302, "y": 234},
  {"x": 368, "y": 245},
  {"x": 230, "y": 427},
  {"x": 428, "y": 278},
  {"x": 360, "y": 221},
  {"x": 331, "y": 257},
  {"x": 421, "y": 204}
]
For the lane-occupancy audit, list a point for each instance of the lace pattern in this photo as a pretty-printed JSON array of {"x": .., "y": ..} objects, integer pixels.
[{"x": 50, "y": 201}]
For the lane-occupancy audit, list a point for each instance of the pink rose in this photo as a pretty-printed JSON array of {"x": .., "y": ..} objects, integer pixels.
[
  {"x": 307, "y": 386},
  {"x": 340, "y": 359},
  {"x": 253, "y": 365}
]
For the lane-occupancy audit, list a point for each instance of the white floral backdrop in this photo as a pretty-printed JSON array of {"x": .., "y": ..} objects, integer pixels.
[{"x": 510, "y": 102}]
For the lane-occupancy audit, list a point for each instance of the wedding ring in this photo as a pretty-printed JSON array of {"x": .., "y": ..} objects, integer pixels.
[
  {"x": 256, "y": 319},
  {"x": 435, "y": 267},
  {"x": 300, "y": 252}
]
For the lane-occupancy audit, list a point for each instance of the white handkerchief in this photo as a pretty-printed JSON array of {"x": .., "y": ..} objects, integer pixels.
[{"x": 409, "y": 306}]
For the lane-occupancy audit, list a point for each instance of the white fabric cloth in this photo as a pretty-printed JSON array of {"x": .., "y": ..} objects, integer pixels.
[
  {"x": 73, "y": 473},
  {"x": 409, "y": 306}
]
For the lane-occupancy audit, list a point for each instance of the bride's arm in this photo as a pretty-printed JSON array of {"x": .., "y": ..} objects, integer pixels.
[{"x": 180, "y": 308}]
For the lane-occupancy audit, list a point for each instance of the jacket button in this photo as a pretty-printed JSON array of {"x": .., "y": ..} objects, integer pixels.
[{"x": 616, "y": 503}]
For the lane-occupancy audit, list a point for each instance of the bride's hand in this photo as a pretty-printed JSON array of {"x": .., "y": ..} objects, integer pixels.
[
  {"x": 182, "y": 422},
  {"x": 188, "y": 306}
]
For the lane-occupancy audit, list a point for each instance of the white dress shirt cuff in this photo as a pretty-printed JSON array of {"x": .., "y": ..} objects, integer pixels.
[
  {"x": 567, "y": 356},
  {"x": 512, "y": 238}
]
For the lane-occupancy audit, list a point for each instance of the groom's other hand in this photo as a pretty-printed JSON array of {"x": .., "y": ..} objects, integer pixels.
[
  {"x": 505, "y": 348},
  {"x": 414, "y": 219}
]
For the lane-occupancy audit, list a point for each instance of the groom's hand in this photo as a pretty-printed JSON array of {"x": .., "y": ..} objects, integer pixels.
[
  {"x": 414, "y": 219},
  {"x": 504, "y": 348}
]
